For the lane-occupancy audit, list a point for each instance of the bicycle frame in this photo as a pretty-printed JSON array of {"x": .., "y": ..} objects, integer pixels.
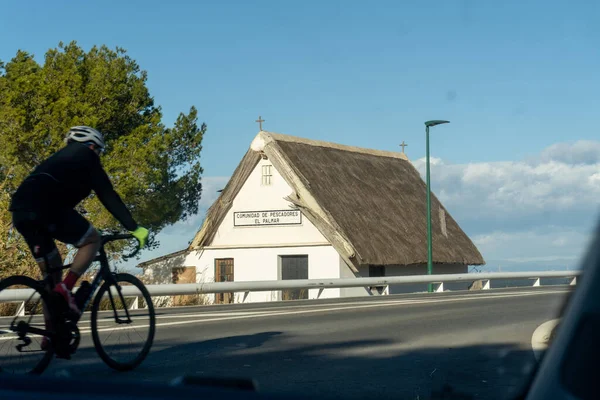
[{"x": 104, "y": 274}]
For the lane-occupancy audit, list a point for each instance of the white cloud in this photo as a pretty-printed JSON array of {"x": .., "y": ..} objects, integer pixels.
[
  {"x": 549, "y": 243},
  {"x": 580, "y": 152},
  {"x": 544, "y": 207},
  {"x": 519, "y": 188}
]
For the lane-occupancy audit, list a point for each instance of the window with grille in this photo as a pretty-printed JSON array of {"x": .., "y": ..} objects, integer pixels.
[{"x": 267, "y": 174}]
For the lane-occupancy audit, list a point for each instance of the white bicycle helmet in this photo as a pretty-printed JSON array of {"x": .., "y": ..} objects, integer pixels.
[{"x": 85, "y": 134}]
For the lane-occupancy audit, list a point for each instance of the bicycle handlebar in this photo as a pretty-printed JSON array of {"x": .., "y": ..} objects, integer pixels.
[{"x": 120, "y": 236}]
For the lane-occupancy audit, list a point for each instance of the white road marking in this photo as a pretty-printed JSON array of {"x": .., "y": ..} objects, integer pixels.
[
  {"x": 223, "y": 314},
  {"x": 293, "y": 307},
  {"x": 323, "y": 308}
]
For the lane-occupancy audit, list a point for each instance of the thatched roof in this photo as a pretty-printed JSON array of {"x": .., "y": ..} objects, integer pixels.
[{"x": 369, "y": 204}]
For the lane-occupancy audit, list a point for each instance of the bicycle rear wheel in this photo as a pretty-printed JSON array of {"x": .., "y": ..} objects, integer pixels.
[
  {"x": 22, "y": 326},
  {"x": 122, "y": 331}
]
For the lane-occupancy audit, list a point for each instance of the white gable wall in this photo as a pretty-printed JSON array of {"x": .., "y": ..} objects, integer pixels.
[
  {"x": 254, "y": 196},
  {"x": 256, "y": 249},
  {"x": 252, "y": 264}
]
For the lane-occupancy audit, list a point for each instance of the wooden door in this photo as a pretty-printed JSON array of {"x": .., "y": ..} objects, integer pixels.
[{"x": 224, "y": 273}]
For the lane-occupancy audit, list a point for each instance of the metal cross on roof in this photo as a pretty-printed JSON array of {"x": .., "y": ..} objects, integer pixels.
[
  {"x": 260, "y": 121},
  {"x": 403, "y": 145}
]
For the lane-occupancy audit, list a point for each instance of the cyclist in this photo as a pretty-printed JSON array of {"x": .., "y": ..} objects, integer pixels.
[{"x": 43, "y": 208}]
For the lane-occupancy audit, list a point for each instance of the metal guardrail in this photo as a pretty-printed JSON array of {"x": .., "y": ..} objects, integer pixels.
[
  {"x": 20, "y": 295},
  {"x": 322, "y": 284}
]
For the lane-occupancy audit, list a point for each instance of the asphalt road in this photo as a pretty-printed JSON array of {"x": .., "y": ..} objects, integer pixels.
[{"x": 400, "y": 347}]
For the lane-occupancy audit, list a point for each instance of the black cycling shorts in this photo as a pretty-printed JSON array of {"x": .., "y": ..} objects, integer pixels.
[{"x": 41, "y": 229}]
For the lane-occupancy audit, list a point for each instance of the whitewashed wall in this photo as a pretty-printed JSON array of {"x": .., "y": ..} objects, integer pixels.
[
  {"x": 261, "y": 264},
  {"x": 346, "y": 272},
  {"x": 161, "y": 272},
  {"x": 254, "y": 196}
]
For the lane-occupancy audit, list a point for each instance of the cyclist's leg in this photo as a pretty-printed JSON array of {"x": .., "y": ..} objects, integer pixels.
[
  {"x": 32, "y": 226},
  {"x": 77, "y": 231},
  {"x": 54, "y": 260}
]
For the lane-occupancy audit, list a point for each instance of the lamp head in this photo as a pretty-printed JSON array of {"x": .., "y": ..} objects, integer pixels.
[{"x": 435, "y": 122}]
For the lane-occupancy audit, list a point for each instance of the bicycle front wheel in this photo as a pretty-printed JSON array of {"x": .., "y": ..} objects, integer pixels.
[
  {"x": 123, "y": 322},
  {"x": 23, "y": 349}
]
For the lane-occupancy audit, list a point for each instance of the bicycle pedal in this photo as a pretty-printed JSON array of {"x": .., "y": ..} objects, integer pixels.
[{"x": 62, "y": 350}]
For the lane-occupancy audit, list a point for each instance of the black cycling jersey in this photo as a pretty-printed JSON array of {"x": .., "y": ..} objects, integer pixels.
[{"x": 66, "y": 178}]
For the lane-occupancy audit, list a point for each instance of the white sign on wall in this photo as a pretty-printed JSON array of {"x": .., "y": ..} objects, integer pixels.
[{"x": 269, "y": 218}]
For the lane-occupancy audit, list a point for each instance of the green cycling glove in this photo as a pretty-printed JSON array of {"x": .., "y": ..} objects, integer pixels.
[{"x": 141, "y": 234}]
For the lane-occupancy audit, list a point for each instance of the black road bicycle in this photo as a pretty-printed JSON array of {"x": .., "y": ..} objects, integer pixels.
[{"x": 118, "y": 302}]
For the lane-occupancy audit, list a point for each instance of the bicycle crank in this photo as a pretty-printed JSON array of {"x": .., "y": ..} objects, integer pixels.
[
  {"x": 75, "y": 336},
  {"x": 67, "y": 339}
]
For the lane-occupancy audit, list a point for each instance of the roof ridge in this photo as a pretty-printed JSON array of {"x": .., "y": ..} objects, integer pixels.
[{"x": 320, "y": 143}]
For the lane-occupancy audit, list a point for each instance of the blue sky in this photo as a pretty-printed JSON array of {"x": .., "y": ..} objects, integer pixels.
[{"x": 517, "y": 79}]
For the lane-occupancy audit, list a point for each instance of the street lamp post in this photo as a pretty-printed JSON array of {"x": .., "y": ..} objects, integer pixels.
[{"x": 429, "y": 245}]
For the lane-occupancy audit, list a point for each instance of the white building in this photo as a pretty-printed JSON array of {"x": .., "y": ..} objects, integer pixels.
[{"x": 303, "y": 209}]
